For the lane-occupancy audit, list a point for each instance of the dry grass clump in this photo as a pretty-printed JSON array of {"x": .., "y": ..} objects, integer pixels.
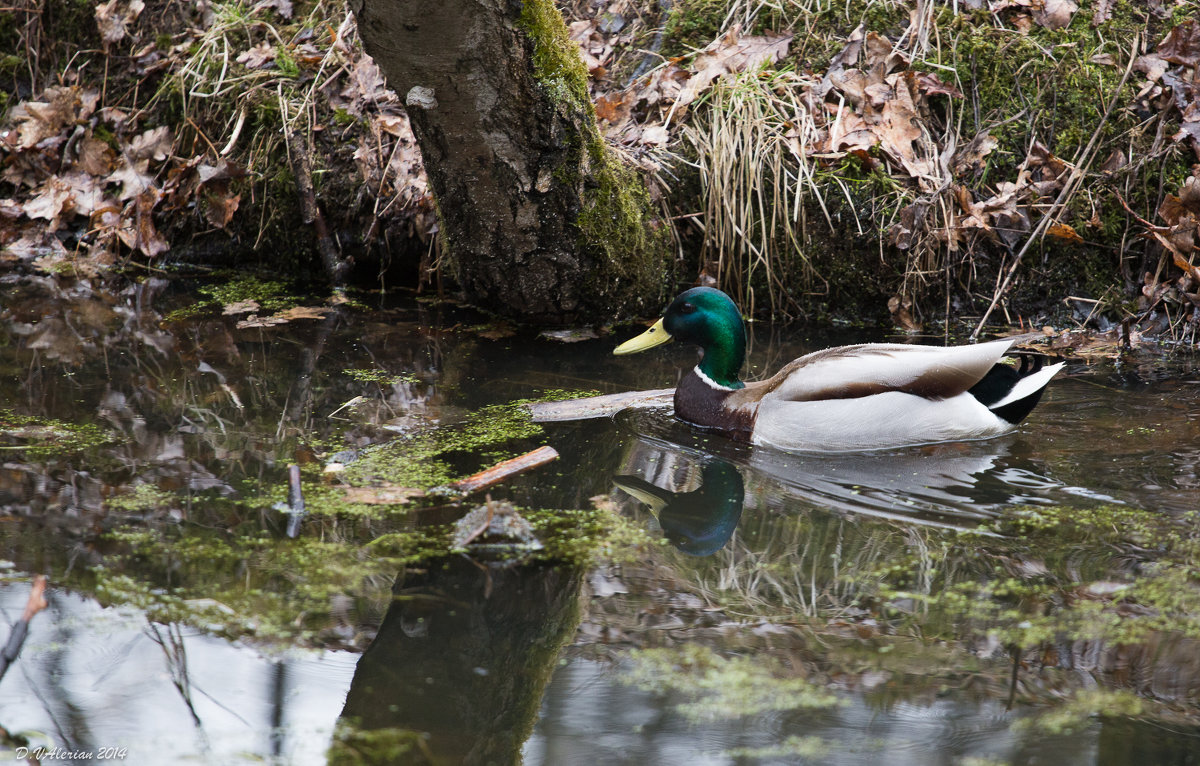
[
  {"x": 227, "y": 118},
  {"x": 960, "y": 160}
]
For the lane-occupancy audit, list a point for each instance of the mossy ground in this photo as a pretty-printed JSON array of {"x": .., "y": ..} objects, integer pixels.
[{"x": 1046, "y": 85}]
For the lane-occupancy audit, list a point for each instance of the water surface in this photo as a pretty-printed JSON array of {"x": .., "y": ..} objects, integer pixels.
[{"x": 816, "y": 568}]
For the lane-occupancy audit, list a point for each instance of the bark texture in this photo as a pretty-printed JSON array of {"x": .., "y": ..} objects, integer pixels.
[{"x": 540, "y": 222}]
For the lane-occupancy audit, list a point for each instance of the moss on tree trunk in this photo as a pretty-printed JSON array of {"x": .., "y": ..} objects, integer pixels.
[{"x": 540, "y": 221}]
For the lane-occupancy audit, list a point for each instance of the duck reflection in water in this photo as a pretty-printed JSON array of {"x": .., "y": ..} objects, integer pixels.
[{"x": 699, "y": 522}]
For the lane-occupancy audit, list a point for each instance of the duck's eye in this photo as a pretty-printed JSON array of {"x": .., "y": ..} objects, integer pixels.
[{"x": 687, "y": 308}]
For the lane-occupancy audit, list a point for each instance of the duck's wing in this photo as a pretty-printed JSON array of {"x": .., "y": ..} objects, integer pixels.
[{"x": 851, "y": 372}]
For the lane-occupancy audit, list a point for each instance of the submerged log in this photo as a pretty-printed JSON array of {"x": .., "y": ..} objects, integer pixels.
[{"x": 599, "y": 406}]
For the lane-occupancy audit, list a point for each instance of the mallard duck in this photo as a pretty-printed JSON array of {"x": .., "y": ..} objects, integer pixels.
[{"x": 861, "y": 397}]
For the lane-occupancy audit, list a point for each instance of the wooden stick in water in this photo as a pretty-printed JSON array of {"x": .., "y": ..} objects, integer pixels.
[
  {"x": 502, "y": 471},
  {"x": 598, "y": 406}
]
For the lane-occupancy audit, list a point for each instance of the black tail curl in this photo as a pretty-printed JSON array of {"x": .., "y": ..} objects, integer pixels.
[{"x": 999, "y": 383}]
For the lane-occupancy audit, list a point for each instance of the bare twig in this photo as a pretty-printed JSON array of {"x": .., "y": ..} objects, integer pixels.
[
  {"x": 504, "y": 470},
  {"x": 336, "y": 267},
  {"x": 295, "y": 501}
]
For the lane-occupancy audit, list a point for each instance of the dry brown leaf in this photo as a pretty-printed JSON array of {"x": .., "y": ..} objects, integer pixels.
[
  {"x": 899, "y": 131},
  {"x": 1114, "y": 162},
  {"x": 307, "y": 55},
  {"x": 260, "y": 56},
  {"x": 94, "y": 157},
  {"x": 114, "y": 17},
  {"x": 220, "y": 207},
  {"x": 593, "y": 46},
  {"x": 256, "y": 321},
  {"x": 901, "y": 311},
  {"x": 1186, "y": 266},
  {"x": 849, "y": 132},
  {"x": 52, "y": 200},
  {"x": 1008, "y": 219},
  {"x": 1190, "y": 130},
  {"x": 911, "y": 222},
  {"x": 87, "y": 192},
  {"x": 1180, "y": 210},
  {"x": 1065, "y": 232},
  {"x": 969, "y": 160},
  {"x": 615, "y": 108},
  {"x": 365, "y": 85},
  {"x": 303, "y": 312},
  {"x": 1150, "y": 65},
  {"x": 133, "y": 177},
  {"x": 240, "y": 307},
  {"x": 153, "y": 144},
  {"x": 664, "y": 85},
  {"x": 732, "y": 53},
  {"x": 655, "y": 135},
  {"x": 931, "y": 85},
  {"x": 388, "y": 494},
  {"x": 282, "y": 7},
  {"x": 35, "y": 245},
  {"x": 137, "y": 230},
  {"x": 1056, "y": 14},
  {"x": 220, "y": 203},
  {"x": 1182, "y": 45},
  {"x": 41, "y": 120},
  {"x": 394, "y": 125},
  {"x": 847, "y": 57},
  {"x": 1101, "y": 11},
  {"x": 1045, "y": 167},
  {"x": 224, "y": 170}
]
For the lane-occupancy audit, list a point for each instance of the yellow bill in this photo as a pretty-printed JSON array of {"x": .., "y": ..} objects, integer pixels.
[{"x": 655, "y": 336}]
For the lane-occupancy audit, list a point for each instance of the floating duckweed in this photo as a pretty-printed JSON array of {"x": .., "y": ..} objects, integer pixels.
[
  {"x": 790, "y": 748},
  {"x": 423, "y": 459},
  {"x": 261, "y": 586},
  {"x": 420, "y": 459},
  {"x": 382, "y": 377},
  {"x": 1142, "y": 579},
  {"x": 45, "y": 438},
  {"x": 271, "y": 296},
  {"x": 355, "y": 746},
  {"x": 585, "y": 536},
  {"x": 268, "y": 293},
  {"x": 141, "y": 499},
  {"x": 723, "y": 688},
  {"x": 1077, "y": 711}
]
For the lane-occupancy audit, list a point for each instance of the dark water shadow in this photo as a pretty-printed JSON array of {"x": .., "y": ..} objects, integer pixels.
[{"x": 457, "y": 670}]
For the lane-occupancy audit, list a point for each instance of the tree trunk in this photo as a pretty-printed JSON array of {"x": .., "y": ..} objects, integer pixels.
[{"x": 541, "y": 223}]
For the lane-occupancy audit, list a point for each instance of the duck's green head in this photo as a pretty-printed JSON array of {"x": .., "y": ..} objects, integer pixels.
[{"x": 707, "y": 318}]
